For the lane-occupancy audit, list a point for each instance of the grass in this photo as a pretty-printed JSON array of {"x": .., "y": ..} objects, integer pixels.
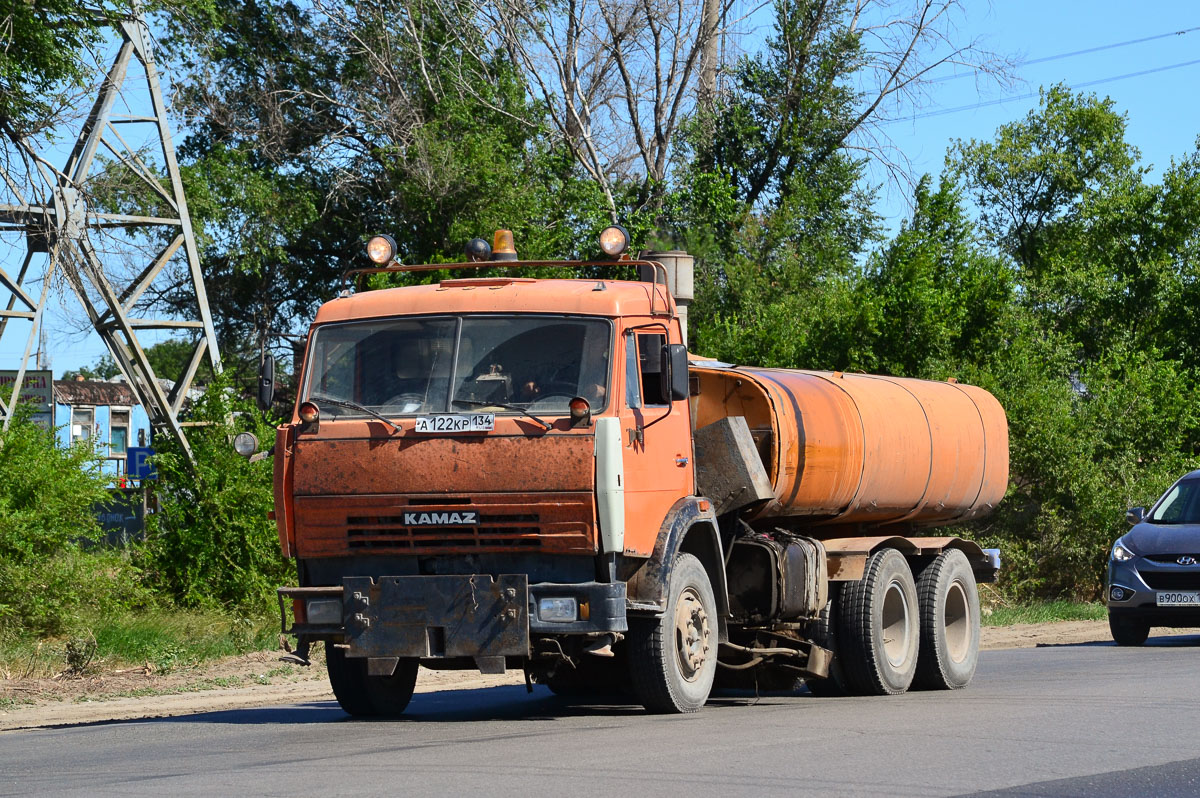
[
  {"x": 1045, "y": 612},
  {"x": 200, "y": 685},
  {"x": 165, "y": 640}
]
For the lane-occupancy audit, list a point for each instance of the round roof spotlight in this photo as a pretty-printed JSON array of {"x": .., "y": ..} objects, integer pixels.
[
  {"x": 308, "y": 412},
  {"x": 502, "y": 246},
  {"x": 245, "y": 443},
  {"x": 614, "y": 240},
  {"x": 381, "y": 249},
  {"x": 478, "y": 250},
  {"x": 581, "y": 411}
]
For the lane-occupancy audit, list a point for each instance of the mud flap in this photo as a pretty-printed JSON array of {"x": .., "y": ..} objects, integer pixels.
[{"x": 437, "y": 616}]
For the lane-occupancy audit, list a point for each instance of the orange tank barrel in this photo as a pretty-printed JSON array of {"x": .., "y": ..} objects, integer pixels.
[{"x": 855, "y": 448}]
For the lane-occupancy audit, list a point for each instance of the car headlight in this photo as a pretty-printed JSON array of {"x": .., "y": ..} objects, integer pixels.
[{"x": 1120, "y": 553}]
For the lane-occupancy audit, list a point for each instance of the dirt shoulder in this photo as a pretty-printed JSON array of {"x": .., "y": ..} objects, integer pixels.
[{"x": 260, "y": 679}]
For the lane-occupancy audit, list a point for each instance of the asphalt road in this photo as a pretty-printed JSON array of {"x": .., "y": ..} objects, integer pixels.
[{"x": 1082, "y": 720}]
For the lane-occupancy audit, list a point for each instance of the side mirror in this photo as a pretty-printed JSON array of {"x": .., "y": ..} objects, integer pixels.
[
  {"x": 1135, "y": 515},
  {"x": 266, "y": 382},
  {"x": 674, "y": 372}
]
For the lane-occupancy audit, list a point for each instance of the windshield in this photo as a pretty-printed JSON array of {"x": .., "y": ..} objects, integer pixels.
[
  {"x": 1180, "y": 504},
  {"x": 460, "y": 364}
]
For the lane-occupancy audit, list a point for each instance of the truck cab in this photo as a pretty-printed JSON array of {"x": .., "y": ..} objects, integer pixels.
[{"x": 496, "y": 472}]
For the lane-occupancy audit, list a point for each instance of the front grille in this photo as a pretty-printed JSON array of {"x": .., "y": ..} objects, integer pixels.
[
  {"x": 511, "y": 530},
  {"x": 334, "y": 526},
  {"x": 1171, "y": 559},
  {"x": 1172, "y": 580}
]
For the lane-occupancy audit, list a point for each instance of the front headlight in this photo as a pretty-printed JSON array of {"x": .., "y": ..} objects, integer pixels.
[
  {"x": 1120, "y": 553},
  {"x": 561, "y": 610},
  {"x": 324, "y": 612}
]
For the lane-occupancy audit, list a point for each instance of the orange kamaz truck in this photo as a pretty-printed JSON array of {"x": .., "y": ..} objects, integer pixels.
[{"x": 500, "y": 472}]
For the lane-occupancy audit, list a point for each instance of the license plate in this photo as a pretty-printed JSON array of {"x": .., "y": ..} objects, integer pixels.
[
  {"x": 1188, "y": 598},
  {"x": 460, "y": 422}
]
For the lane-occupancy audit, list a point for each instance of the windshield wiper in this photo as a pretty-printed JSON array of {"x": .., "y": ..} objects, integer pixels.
[
  {"x": 505, "y": 405},
  {"x": 329, "y": 400}
]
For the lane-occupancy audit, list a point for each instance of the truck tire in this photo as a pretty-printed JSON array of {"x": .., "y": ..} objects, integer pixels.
[
  {"x": 878, "y": 628},
  {"x": 365, "y": 696},
  {"x": 823, "y": 633},
  {"x": 673, "y": 659},
  {"x": 949, "y": 602},
  {"x": 1128, "y": 630}
]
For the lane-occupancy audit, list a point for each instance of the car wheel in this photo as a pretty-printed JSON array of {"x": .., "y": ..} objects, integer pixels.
[{"x": 1128, "y": 630}]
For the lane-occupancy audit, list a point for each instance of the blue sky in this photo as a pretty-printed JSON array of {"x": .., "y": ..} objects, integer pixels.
[
  {"x": 1161, "y": 103},
  {"x": 1159, "y": 96}
]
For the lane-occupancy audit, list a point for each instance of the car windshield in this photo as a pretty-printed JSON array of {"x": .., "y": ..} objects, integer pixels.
[
  {"x": 460, "y": 364},
  {"x": 1179, "y": 505}
]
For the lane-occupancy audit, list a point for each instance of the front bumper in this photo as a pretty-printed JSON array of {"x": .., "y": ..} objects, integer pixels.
[
  {"x": 452, "y": 616},
  {"x": 1141, "y": 581}
]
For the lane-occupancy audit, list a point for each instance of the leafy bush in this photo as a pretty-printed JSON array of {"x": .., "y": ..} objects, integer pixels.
[
  {"x": 48, "y": 573},
  {"x": 211, "y": 544}
]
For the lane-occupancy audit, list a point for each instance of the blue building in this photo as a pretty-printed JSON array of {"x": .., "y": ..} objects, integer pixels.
[{"x": 106, "y": 413}]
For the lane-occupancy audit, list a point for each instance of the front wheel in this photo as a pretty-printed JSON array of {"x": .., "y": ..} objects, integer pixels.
[
  {"x": 1128, "y": 630},
  {"x": 673, "y": 659},
  {"x": 878, "y": 627},
  {"x": 363, "y": 695}
]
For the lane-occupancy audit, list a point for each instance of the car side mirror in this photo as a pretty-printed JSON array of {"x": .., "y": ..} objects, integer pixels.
[
  {"x": 266, "y": 382},
  {"x": 674, "y": 372},
  {"x": 1135, "y": 515}
]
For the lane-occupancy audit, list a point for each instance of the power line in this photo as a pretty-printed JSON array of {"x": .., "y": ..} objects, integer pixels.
[
  {"x": 1014, "y": 98},
  {"x": 1074, "y": 53}
]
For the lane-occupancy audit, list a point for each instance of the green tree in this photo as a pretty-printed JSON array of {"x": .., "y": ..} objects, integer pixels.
[
  {"x": 317, "y": 127},
  {"x": 211, "y": 543},
  {"x": 934, "y": 299},
  {"x": 1093, "y": 370},
  {"x": 49, "y": 571},
  {"x": 103, "y": 369},
  {"x": 41, "y": 64}
]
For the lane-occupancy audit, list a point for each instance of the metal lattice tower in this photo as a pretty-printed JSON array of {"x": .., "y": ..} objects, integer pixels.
[{"x": 61, "y": 218}]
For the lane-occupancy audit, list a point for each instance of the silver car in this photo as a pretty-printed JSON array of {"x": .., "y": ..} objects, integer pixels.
[{"x": 1154, "y": 569}]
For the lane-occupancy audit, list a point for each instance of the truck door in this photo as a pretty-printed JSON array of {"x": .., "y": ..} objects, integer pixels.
[{"x": 656, "y": 434}]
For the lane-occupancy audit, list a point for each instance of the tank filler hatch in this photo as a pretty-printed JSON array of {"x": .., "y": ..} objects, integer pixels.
[{"x": 729, "y": 470}]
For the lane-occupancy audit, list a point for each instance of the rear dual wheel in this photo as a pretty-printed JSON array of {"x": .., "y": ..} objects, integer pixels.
[
  {"x": 823, "y": 632},
  {"x": 949, "y": 602},
  {"x": 878, "y": 627},
  {"x": 893, "y": 632}
]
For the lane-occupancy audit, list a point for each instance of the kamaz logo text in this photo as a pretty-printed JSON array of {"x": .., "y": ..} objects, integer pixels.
[{"x": 441, "y": 519}]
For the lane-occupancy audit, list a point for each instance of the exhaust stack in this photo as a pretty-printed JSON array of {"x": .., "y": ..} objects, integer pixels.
[{"x": 680, "y": 268}]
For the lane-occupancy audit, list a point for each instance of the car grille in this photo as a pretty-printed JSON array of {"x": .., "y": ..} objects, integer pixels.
[
  {"x": 1171, "y": 559},
  {"x": 1173, "y": 580}
]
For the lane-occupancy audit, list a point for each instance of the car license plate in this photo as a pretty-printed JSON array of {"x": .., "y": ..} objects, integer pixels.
[
  {"x": 460, "y": 422},
  {"x": 1187, "y": 598}
]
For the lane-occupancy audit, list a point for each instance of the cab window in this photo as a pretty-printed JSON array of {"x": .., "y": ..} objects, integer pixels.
[{"x": 650, "y": 367}]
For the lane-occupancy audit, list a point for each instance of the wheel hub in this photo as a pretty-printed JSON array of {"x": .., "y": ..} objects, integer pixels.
[{"x": 692, "y": 634}]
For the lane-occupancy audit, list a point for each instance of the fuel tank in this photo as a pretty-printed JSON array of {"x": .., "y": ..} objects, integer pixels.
[{"x": 863, "y": 449}]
